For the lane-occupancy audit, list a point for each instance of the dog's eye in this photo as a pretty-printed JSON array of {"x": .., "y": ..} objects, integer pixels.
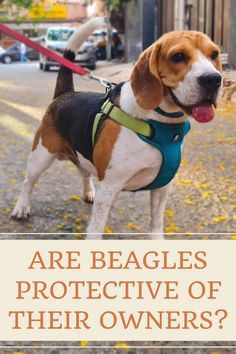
[
  {"x": 179, "y": 57},
  {"x": 214, "y": 55}
]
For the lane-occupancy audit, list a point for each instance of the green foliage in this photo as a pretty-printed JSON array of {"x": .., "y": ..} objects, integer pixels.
[
  {"x": 18, "y": 3},
  {"x": 9, "y": 9}
]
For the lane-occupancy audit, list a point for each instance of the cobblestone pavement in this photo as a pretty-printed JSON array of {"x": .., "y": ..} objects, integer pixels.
[{"x": 202, "y": 199}]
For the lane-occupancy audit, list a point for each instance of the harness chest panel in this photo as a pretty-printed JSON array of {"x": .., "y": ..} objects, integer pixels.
[{"x": 168, "y": 139}]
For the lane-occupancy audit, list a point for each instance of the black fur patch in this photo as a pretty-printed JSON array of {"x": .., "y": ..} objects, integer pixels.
[
  {"x": 68, "y": 54},
  {"x": 74, "y": 114},
  {"x": 65, "y": 76},
  {"x": 115, "y": 92}
]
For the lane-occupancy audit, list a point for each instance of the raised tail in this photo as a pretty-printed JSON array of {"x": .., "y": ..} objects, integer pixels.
[{"x": 65, "y": 75}]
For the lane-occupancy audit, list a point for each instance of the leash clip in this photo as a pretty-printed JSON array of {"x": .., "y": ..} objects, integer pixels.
[{"x": 105, "y": 83}]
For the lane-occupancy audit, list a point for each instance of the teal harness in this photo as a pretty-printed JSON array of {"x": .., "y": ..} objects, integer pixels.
[{"x": 167, "y": 138}]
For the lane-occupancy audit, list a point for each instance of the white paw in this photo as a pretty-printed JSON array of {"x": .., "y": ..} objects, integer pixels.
[
  {"x": 156, "y": 235},
  {"x": 94, "y": 237},
  {"x": 89, "y": 196},
  {"x": 21, "y": 211}
]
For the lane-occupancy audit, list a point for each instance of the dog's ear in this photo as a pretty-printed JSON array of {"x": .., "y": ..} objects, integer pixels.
[{"x": 145, "y": 79}]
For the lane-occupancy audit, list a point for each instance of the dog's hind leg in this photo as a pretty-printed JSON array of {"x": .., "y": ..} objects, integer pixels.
[{"x": 39, "y": 160}]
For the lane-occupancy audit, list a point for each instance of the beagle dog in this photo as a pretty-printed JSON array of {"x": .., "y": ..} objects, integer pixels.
[{"x": 180, "y": 72}]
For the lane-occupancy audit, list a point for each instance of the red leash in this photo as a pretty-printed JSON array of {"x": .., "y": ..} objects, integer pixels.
[{"x": 39, "y": 48}]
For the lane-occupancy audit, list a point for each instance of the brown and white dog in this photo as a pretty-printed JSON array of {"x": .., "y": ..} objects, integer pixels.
[{"x": 180, "y": 70}]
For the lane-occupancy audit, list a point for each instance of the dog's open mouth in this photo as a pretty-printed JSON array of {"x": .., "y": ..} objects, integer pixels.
[{"x": 202, "y": 112}]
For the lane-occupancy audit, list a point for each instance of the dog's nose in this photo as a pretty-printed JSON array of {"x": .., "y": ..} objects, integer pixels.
[{"x": 210, "y": 81}]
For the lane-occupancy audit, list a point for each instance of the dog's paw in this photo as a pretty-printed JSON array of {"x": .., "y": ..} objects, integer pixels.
[
  {"x": 21, "y": 212},
  {"x": 156, "y": 235},
  {"x": 93, "y": 236},
  {"x": 89, "y": 197}
]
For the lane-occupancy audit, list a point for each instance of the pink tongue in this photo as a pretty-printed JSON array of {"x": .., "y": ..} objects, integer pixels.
[{"x": 203, "y": 113}]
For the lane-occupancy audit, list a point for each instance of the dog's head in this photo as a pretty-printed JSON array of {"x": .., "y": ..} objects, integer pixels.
[{"x": 182, "y": 66}]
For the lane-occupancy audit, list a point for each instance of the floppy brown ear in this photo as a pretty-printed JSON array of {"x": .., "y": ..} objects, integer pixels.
[{"x": 145, "y": 80}]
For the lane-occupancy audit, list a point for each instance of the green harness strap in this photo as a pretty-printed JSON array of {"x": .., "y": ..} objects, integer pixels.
[{"x": 110, "y": 110}]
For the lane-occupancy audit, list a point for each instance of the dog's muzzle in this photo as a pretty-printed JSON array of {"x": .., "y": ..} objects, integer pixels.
[{"x": 203, "y": 111}]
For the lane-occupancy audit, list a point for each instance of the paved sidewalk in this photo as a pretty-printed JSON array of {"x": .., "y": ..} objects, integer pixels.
[{"x": 114, "y": 72}]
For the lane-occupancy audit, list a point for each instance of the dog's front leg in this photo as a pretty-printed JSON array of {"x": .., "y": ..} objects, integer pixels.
[
  {"x": 158, "y": 202},
  {"x": 104, "y": 197}
]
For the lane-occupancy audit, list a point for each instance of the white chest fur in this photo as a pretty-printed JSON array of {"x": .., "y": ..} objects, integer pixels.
[{"x": 137, "y": 159}]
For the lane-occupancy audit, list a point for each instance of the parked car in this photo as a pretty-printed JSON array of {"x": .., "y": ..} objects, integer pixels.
[
  {"x": 56, "y": 40},
  {"x": 8, "y": 55},
  {"x": 117, "y": 47}
]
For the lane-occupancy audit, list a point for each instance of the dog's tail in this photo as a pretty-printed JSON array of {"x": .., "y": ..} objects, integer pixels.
[{"x": 65, "y": 76}]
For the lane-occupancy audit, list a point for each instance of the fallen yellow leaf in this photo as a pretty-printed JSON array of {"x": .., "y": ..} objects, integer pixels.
[
  {"x": 184, "y": 181},
  {"x": 124, "y": 346},
  {"x": 84, "y": 343},
  {"x": 78, "y": 235},
  {"x": 75, "y": 198},
  {"x": 223, "y": 199},
  {"x": 222, "y": 166},
  {"x": 132, "y": 226},
  {"x": 108, "y": 230},
  {"x": 220, "y": 218},
  {"x": 207, "y": 195},
  {"x": 172, "y": 228},
  {"x": 202, "y": 186},
  {"x": 190, "y": 202},
  {"x": 169, "y": 213}
]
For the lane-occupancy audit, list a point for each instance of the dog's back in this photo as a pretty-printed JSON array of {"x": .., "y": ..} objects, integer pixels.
[{"x": 74, "y": 118}]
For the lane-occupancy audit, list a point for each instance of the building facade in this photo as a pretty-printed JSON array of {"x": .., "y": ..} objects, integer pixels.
[
  {"x": 147, "y": 20},
  {"x": 48, "y": 13}
]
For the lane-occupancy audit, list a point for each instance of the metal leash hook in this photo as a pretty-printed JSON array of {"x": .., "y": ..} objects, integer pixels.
[
  {"x": 101, "y": 80},
  {"x": 108, "y": 85}
]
